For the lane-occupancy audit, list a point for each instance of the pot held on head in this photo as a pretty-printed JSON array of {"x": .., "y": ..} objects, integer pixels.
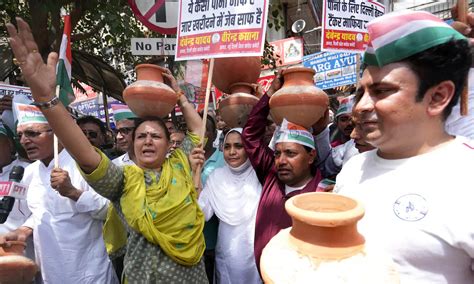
[
  {"x": 324, "y": 246},
  {"x": 231, "y": 70},
  {"x": 235, "y": 108},
  {"x": 149, "y": 96},
  {"x": 298, "y": 100}
]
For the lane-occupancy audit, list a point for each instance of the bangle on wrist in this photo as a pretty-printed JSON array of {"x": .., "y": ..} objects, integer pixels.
[{"x": 47, "y": 105}]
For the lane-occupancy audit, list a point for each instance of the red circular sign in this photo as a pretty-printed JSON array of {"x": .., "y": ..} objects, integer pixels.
[{"x": 157, "y": 15}]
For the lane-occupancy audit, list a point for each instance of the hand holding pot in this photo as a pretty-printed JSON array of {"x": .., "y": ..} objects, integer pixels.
[
  {"x": 321, "y": 124},
  {"x": 276, "y": 83},
  {"x": 170, "y": 80},
  {"x": 41, "y": 77},
  {"x": 463, "y": 28}
]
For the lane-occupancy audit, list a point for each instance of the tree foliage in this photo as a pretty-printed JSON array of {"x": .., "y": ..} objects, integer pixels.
[{"x": 97, "y": 25}]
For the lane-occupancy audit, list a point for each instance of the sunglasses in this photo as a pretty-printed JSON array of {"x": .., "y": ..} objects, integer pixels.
[
  {"x": 91, "y": 134},
  {"x": 31, "y": 133},
  {"x": 124, "y": 130}
]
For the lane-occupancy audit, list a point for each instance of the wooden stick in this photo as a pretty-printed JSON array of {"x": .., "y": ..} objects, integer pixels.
[
  {"x": 462, "y": 7},
  {"x": 55, "y": 139},
  {"x": 197, "y": 173},
  {"x": 462, "y": 11}
]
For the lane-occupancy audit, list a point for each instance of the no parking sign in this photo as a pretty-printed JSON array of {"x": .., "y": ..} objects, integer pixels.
[{"x": 158, "y": 15}]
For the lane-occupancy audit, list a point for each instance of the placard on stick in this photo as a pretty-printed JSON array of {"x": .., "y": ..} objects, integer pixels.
[{"x": 225, "y": 28}]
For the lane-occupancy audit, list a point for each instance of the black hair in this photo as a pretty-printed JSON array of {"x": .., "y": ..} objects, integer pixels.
[
  {"x": 91, "y": 119},
  {"x": 446, "y": 62},
  {"x": 160, "y": 121}
]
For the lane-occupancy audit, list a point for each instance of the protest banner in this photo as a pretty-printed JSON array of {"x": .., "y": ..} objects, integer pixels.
[
  {"x": 333, "y": 69},
  {"x": 12, "y": 91},
  {"x": 345, "y": 24},
  {"x": 224, "y": 28}
]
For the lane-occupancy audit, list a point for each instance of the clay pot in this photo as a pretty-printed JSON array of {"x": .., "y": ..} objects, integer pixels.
[
  {"x": 149, "y": 96},
  {"x": 231, "y": 70},
  {"x": 17, "y": 269},
  {"x": 325, "y": 225},
  {"x": 236, "y": 108},
  {"x": 299, "y": 100},
  {"x": 13, "y": 248}
]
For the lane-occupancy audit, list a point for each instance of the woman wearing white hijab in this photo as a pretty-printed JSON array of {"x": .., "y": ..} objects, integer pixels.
[{"x": 232, "y": 193}]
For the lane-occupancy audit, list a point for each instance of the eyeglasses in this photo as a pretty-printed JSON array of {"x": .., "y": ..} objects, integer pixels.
[
  {"x": 124, "y": 130},
  {"x": 91, "y": 134},
  {"x": 176, "y": 143},
  {"x": 31, "y": 133},
  {"x": 344, "y": 118}
]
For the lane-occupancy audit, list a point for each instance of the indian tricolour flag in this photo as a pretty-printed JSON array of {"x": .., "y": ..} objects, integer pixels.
[{"x": 63, "y": 69}]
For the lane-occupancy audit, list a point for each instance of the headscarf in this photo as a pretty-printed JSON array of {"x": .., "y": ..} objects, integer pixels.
[
  {"x": 399, "y": 35},
  {"x": 234, "y": 193},
  {"x": 291, "y": 132}
]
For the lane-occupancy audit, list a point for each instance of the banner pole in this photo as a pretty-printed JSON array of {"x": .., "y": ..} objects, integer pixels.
[
  {"x": 197, "y": 173},
  {"x": 55, "y": 139}
]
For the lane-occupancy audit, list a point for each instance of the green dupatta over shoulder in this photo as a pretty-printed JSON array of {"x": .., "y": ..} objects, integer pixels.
[{"x": 166, "y": 212}]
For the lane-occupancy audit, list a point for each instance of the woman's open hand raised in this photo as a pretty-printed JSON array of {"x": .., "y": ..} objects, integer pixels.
[{"x": 41, "y": 77}]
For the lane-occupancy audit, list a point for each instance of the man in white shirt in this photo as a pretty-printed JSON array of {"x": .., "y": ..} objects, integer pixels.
[
  {"x": 67, "y": 213},
  {"x": 416, "y": 186},
  {"x": 124, "y": 126}
]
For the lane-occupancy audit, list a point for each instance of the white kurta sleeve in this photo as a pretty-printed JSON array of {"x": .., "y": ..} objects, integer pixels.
[
  {"x": 30, "y": 222},
  {"x": 93, "y": 203},
  {"x": 205, "y": 204}
]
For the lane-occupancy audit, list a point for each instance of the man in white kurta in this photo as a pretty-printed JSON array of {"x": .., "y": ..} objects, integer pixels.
[
  {"x": 67, "y": 219},
  {"x": 20, "y": 211},
  {"x": 67, "y": 234}
]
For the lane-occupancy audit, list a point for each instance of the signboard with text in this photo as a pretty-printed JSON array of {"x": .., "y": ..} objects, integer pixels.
[
  {"x": 153, "y": 46},
  {"x": 345, "y": 24},
  {"x": 333, "y": 69},
  {"x": 157, "y": 15},
  {"x": 287, "y": 51},
  {"x": 12, "y": 91},
  {"x": 223, "y": 28}
]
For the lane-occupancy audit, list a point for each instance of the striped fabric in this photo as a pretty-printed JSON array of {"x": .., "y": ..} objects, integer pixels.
[
  {"x": 27, "y": 114},
  {"x": 122, "y": 112},
  {"x": 396, "y": 36},
  {"x": 290, "y": 132},
  {"x": 3, "y": 130}
]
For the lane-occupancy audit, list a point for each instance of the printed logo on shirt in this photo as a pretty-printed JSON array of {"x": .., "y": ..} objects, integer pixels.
[
  {"x": 468, "y": 146},
  {"x": 411, "y": 207}
]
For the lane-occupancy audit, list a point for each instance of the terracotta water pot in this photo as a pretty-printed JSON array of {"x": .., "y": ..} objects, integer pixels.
[
  {"x": 13, "y": 248},
  {"x": 149, "y": 96},
  {"x": 325, "y": 225},
  {"x": 236, "y": 108},
  {"x": 231, "y": 70},
  {"x": 16, "y": 269},
  {"x": 299, "y": 100}
]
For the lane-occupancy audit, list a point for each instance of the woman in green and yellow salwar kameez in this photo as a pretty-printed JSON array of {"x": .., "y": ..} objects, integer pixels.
[{"x": 154, "y": 202}]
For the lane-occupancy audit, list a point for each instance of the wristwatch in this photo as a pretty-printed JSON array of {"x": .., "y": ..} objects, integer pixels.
[{"x": 49, "y": 104}]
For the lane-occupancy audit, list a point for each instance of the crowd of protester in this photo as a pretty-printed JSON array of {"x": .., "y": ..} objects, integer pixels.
[{"x": 130, "y": 212}]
